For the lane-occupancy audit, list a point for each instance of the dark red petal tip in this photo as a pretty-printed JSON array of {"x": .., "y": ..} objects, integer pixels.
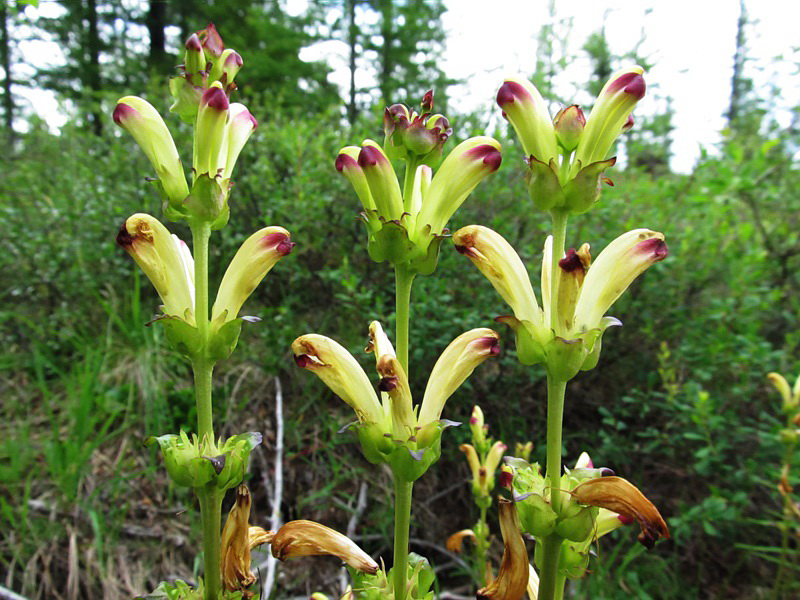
[
  {"x": 506, "y": 478},
  {"x": 489, "y": 154},
  {"x": 509, "y": 92},
  {"x": 215, "y": 98},
  {"x": 630, "y": 83},
  {"x": 387, "y": 384},
  {"x": 124, "y": 239},
  {"x": 122, "y": 111},
  {"x": 370, "y": 156},
  {"x": 655, "y": 246},
  {"x": 571, "y": 261},
  {"x": 303, "y": 361},
  {"x": 344, "y": 161},
  {"x": 193, "y": 43}
]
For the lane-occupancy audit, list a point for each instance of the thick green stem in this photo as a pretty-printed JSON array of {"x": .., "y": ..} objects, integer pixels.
[
  {"x": 559, "y": 235},
  {"x": 403, "y": 281},
  {"x": 211, "y": 515},
  {"x": 408, "y": 183},
  {"x": 551, "y": 585},
  {"x": 549, "y": 578},
  {"x": 210, "y": 498},
  {"x": 402, "y": 525}
]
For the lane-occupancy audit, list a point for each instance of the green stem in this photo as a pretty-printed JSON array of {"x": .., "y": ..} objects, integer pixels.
[
  {"x": 559, "y": 235},
  {"x": 549, "y": 578},
  {"x": 403, "y": 281},
  {"x": 402, "y": 525},
  {"x": 551, "y": 585},
  {"x": 408, "y": 183},
  {"x": 210, "y": 498},
  {"x": 211, "y": 515}
]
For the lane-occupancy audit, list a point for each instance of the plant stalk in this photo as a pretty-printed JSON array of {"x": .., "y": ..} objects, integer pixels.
[
  {"x": 551, "y": 585},
  {"x": 404, "y": 279},
  {"x": 402, "y": 525},
  {"x": 559, "y": 235},
  {"x": 209, "y": 497}
]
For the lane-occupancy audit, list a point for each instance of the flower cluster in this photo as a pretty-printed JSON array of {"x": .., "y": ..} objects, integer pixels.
[
  {"x": 390, "y": 428},
  {"x": 568, "y": 155}
]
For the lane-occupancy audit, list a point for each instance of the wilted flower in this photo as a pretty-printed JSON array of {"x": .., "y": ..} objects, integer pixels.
[
  {"x": 307, "y": 538},
  {"x": 512, "y": 578},
  {"x": 237, "y": 540},
  {"x": 585, "y": 292},
  {"x": 456, "y": 541},
  {"x": 390, "y": 428}
]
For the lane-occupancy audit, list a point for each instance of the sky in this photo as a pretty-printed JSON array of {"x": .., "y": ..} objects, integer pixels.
[{"x": 690, "y": 42}]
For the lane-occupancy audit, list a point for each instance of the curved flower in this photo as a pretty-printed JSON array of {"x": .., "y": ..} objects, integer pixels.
[
  {"x": 138, "y": 117},
  {"x": 391, "y": 422},
  {"x": 165, "y": 259},
  {"x": 512, "y": 578},
  {"x": 585, "y": 292},
  {"x": 254, "y": 259}
]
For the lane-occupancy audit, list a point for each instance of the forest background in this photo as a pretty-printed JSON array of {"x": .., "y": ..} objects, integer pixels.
[{"x": 681, "y": 403}]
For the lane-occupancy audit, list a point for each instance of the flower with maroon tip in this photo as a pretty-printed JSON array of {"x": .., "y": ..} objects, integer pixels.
[
  {"x": 144, "y": 123},
  {"x": 209, "y": 132},
  {"x": 390, "y": 428},
  {"x": 586, "y": 291},
  {"x": 165, "y": 259},
  {"x": 254, "y": 259},
  {"x": 406, "y": 226},
  {"x": 212, "y": 41},
  {"x": 512, "y": 578},
  {"x": 483, "y": 470},
  {"x": 524, "y": 107},
  {"x": 610, "y": 115}
]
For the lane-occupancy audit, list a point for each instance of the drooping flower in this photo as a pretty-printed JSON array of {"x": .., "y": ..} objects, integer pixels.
[
  {"x": 586, "y": 291},
  {"x": 390, "y": 428},
  {"x": 237, "y": 540},
  {"x": 512, "y": 578}
]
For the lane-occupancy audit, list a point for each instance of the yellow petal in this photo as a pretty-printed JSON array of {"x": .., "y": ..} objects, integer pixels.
[{"x": 456, "y": 541}]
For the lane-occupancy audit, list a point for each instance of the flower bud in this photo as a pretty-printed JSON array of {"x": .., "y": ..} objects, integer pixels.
[
  {"x": 142, "y": 121},
  {"x": 209, "y": 134},
  {"x": 569, "y": 124},
  {"x": 476, "y": 424},
  {"x": 610, "y": 114},
  {"x": 382, "y": 181},
  {"x": 347, "y": 165},
  {"x": 194, "y": 62},
  {"x": 212, "y": 41},
  {"x": 254, "y": 259},
  {"x": 525, "y": 109},
  {"x": 226, "y": 67}
]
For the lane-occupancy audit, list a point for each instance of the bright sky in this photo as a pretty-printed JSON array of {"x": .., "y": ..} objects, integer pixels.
[{"x": 691, "y": 43}]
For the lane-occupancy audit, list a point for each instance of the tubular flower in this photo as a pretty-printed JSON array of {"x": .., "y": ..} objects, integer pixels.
[
  {"x": 567, "y": 156},
  {"x": 406, "y": 226},
  {"x": 512, "y": 579},
  {"x": 237, "y": 540},
  {"x": 165, "y": 259},
  {"x": 483, "y": 471},
  {"x": 455, "y": 542},
  {"x": 307, "y": 538},
  {"x": 586, "y": 291},
  {"x": 254, "y": 259},
  {"x": 390, "y": 428},
  {"x": 138, "y": 117}
]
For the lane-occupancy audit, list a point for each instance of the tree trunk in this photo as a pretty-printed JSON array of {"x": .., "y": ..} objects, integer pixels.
[
  {"x": 387, "y": 64},
  {"x": 737, "y": 80},
  {"x": 155, "y": 21},
  {"x": 352, "y": 39},
  {"x": 93, "y": 79},
  {"x": 5, "y": 58}
]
